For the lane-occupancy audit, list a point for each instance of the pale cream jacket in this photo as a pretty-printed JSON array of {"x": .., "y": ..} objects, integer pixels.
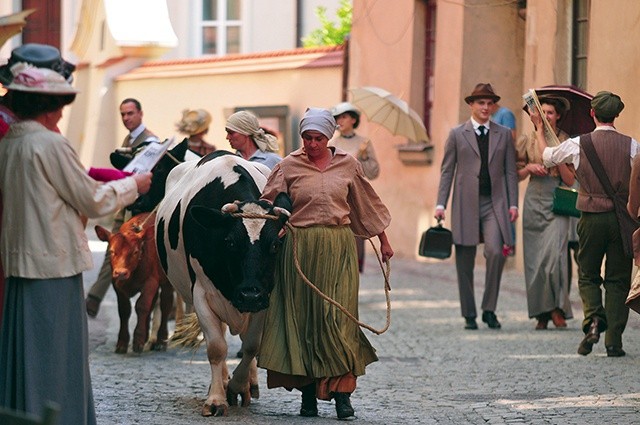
[{"x": 45, "y": 191}]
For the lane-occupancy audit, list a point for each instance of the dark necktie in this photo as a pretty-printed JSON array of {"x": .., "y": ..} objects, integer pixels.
[{"x": 482, "y": 129}]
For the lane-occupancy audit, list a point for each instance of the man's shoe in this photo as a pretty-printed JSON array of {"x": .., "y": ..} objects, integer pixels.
[
  {"x": 470, "y": 323},
  {"x": 344, "y": 410},
  {"x": 557, "y": 317},
  {"x": 592, "y": 337},
  {"x": 93, "y": 305},
  {"x": 585, "y": 346},
  {"x": 613, "y": 351},
  {"x": 489, "y": 317}
]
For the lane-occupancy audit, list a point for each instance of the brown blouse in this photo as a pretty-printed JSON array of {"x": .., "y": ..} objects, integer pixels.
[{"x": 338, "y": 195}]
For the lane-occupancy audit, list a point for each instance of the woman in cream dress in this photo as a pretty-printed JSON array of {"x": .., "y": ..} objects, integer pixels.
[{"x": 545, "y": 235}]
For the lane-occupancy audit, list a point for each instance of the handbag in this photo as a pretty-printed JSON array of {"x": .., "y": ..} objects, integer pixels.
[
  {"x": 436, "y": 242},
  {"x": 564, "y": 201},
  {"x": 627, "y": 224}
]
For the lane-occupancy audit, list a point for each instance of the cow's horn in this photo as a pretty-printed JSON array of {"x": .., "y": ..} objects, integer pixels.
[
  {"x": 229, "y": 208},
  {"x": 279, "y": 210}
]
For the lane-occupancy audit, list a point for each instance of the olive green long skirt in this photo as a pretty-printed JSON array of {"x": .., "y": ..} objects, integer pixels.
[{"x": 303, "y": 334}]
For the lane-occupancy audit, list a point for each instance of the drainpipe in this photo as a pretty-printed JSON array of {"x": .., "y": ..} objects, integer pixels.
[
  {"x": 298, "y": 23},
  {"x": 345, "y": 67}
]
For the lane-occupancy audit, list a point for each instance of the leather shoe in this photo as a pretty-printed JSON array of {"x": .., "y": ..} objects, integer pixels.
[
  {"x": 344, "y": 410},
  {"x": 557, "y": 317},
  {"x": 92, "y": 304},
  {"x": 613, "y": 351},
  {"x": 470, "y": 323},
  {"x": 309, "y": 406},
  {"x": 542, "y": 324},
  {"x": 592, "y": 337},
  {"x": 489, "y": 317}
]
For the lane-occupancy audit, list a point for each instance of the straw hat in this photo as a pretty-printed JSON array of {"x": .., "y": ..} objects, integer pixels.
[
  {"x": 194, "y": 121},
  {"x": 28, "y": 78}
]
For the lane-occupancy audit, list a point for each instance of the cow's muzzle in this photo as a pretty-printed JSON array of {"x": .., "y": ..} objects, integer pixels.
[
  {"x": 251, "y": 299},
  {"x": 120, "y": 274}
]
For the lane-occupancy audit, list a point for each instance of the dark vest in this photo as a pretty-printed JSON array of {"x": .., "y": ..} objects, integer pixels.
[
  {"x": 146, "y": 133},
  {"x": 613, "y": 150},
  {"x": 485, "y": 178}
]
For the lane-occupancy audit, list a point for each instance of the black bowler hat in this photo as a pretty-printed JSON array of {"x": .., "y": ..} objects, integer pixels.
[{"x": 38, "y": 55}]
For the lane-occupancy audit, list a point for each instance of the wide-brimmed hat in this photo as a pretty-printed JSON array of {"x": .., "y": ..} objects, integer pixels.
[
  {"x": 194, "y": 121},
  {"x": 40, "y": 56},
  {"x": 343, "y": 107},
  {"x": 482, "y": 91},
  {"x": 27, "y": 78}
]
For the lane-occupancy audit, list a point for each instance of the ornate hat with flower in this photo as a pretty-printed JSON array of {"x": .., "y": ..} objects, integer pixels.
[
  {"x": 27, "y": 78},
  {"x": 38, "y": 55}
]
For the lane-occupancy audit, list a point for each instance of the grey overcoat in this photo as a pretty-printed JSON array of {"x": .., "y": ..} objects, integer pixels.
[{"x": 461, "y": 167}]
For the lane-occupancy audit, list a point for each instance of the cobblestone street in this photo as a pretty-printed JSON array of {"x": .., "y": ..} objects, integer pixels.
[{"x": 431, "y": 371}]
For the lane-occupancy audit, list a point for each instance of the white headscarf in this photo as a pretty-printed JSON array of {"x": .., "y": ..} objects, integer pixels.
[
  {"x": 244, "y": 122},
  {"x": 320, "y": 120}
]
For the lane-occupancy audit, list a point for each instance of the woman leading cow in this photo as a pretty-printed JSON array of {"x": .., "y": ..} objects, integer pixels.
[{"x": 308, "y": 344}]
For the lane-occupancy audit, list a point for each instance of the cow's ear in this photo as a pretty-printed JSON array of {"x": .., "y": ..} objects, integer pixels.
[
  {"x": 103, "y": 234},
  {"x": 208, "y": 217},
  {"x": 180, "y": 149},
  {"x": 283, "y": 201}
]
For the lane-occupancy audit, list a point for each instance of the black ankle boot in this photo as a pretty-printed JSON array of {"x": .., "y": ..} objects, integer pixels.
[
  {"x": 343, "y": 405},
  {"x": 309, "y": 402}
]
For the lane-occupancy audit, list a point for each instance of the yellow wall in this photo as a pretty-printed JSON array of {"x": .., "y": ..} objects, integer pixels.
[
  {"x": 164, "y": 94},
  {"x": 614, "y": 57}
]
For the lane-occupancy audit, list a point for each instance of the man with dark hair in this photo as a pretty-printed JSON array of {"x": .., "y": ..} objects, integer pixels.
[
  {"x": 131, "y": 114},
  {"x": 598, "y": 228}
]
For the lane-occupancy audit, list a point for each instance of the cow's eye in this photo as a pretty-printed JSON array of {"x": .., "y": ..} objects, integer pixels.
[{"x": 275, "y": 246}]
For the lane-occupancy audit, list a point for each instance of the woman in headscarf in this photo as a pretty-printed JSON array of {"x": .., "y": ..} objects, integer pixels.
[
  {"x": 195, "y": 124},
  {"x": 46, "y": 192},
  {"x": 307, "y": 343},
  {"x": 250, "y": 140}
]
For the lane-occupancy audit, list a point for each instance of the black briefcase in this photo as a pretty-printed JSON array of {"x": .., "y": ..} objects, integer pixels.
[{"x": 436, "y": 243}]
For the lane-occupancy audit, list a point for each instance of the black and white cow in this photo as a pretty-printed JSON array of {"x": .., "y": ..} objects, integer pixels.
[{"x": 222, "y": 263}]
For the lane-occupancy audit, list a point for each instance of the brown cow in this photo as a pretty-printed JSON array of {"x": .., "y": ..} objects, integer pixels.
[{"x": 135, "y": 268}]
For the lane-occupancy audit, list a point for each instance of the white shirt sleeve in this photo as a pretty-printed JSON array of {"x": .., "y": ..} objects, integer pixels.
[{"x": 567, "y": 152}]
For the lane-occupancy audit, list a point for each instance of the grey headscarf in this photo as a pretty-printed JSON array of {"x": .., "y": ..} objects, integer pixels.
[
  {"x": 244, "y": 122},
  {"x": 320, "y": 120}
]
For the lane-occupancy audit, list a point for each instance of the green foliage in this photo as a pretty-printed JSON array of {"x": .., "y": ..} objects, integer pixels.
[{"x": 330, "y": 34}]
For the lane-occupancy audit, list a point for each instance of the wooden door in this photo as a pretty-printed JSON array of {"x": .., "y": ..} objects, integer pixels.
[{"x": 43, "y": 26}]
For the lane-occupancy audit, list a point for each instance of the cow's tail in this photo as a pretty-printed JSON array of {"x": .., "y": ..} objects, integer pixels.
[{"x": 187, "y": 333}]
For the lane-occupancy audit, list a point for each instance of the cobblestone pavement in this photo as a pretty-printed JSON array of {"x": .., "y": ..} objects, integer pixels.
[{"x": 431, "y": 371}]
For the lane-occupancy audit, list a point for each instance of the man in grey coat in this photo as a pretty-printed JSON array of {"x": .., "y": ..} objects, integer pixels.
[{"x": 480, "y": 161}]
